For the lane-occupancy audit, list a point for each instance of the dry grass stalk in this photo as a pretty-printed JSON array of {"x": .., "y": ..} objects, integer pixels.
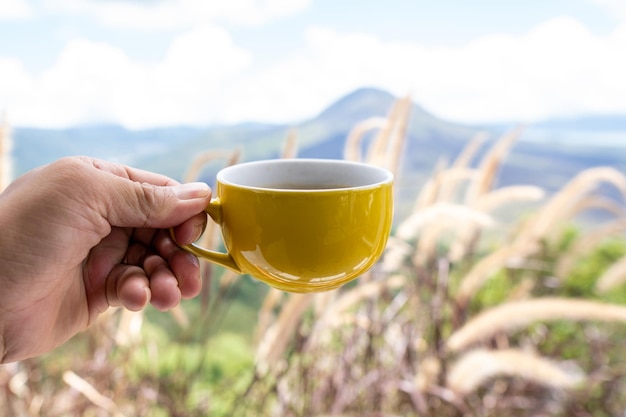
[
  {"x": 352, "y": 150},
  {"x": 358, "y": 415},
  {"x": 490, "y": 165},
  {"x": 613, "y": 277},
  {"x": 180, "y": 316},
  {"x": 194, "y": 170},
  {"x": 462, "y": 164},
  {"x": 290, "y": 148},
  {"x": 378, "y": 152},
  {"x": 352, "y": 297},
  {"x": 5, "y": 153},
  {"x": 450, "y": 214},
  {"x": 507, "y": 195},
  {"x": 128, "y": 330},
  {"x": 488, "y": 203},
  {"x": 511, "y": 316},
  {"x": 585, "y": 243},
  {"x": 597, "y": 203},
  {"x": 449, "y": 181},
  {"x": 91, "y": 393},
  {"x": 266, "y": 312},
  {"x": 396, "y": 252},
  {"x": 276, "y": 339},
  {"x": 553, "y": 212},
  {"x": 396, "y": 146},
  {"x": 228, "y": 277},
  {"x": 430, "y": 191},
  {"x": 482, "y": 271},
  {"x": 475, "y": 368},
  {"x": 452, "y": 217},
  {"x": 469, "y": 151}
]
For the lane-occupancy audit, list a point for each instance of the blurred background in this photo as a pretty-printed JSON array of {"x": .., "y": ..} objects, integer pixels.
[{"x": 504, "y": 123}]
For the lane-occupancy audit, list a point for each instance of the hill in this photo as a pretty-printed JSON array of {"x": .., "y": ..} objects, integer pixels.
[{"x": 547, "y": 163}]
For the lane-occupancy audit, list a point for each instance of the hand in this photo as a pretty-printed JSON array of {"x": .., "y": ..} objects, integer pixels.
[{"x": 80, "y": 235}]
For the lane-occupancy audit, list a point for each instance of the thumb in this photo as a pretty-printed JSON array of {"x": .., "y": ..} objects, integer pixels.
[{"x": 155, "y": 206}]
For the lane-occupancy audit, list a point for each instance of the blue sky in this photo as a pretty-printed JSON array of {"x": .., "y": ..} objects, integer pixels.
[{"x": 145, "y": 63}]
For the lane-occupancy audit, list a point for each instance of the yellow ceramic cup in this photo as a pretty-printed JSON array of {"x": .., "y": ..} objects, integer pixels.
[{"x": 301, "y": 225}]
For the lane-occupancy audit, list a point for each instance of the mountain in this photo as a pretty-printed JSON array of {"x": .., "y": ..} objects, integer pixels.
[
  {"x": 594, "y": 122},
  {"x": 547, "y": 161}
]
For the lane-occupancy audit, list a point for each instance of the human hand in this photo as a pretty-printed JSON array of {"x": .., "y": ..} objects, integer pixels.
[{"x": 80, "y": 235}]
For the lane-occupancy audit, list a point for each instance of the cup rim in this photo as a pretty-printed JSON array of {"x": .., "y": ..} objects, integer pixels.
[{"x": 386, "y": 175}]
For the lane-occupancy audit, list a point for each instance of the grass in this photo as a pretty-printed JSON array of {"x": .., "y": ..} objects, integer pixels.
[{"x": 470, "y": 312}]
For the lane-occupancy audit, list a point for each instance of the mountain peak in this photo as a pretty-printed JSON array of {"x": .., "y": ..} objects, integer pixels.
[{"x": 360, "y": 104}]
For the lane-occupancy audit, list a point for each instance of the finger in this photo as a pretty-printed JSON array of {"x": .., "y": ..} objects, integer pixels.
[
  {"x": 101, "y": 261},
  {"x": 184, "y": 265},
  {"x": 191, "y": 230},
  {"x": 136, "y": 254},
  {"x": 165, "y": 293},
  {"x": 186, "y": 269},
  {"x": 128, "y": 286},
  {"x": 142, "y": 199},
  {"x": 133, "y": 174}
]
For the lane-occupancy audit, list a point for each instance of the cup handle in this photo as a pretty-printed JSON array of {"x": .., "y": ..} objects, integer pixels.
[{"x": 214, "y": 210}]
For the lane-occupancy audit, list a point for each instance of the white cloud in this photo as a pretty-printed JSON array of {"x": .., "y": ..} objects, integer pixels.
[
  {"x": 168, "y": 14},
  {"x": 93, "y": 82},
  {"x": 557, "y": 68},
  {"x": 15, "y": 9}
]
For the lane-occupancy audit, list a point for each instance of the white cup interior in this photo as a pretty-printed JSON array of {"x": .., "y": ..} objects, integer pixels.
[{"x": 307, "y": 174}]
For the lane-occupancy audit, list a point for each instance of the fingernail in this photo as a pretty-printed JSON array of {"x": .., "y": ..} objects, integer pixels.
[
  {"x": 198, "y": 230},
  {"x": 191, "y": 190}
]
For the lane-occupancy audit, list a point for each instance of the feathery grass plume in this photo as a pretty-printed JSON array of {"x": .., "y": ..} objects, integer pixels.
[
  {"x": 397, "y": 142},
  {"x": 553, "y": 212},
  {"x": 476, "y": 367},
  {"x": 469, "y": 151},
  {"x": 276, "y": 339},
  {"x": 514, "y": 315},
  {"x": 614, "y": 276},
  {"x": 585, "y": 243},
  {"x": 396, "y": 253},
  {"x": 507, "y": 195},
  {"x": 484, "y": 269},
  {"x": 5, "y": 153},
  {"x": 450, "y": 217},
  {"x": 352, "y": 149},
  {"x": 352, "y": 297},
  {"x": 91, "y": 393},
  {"x": 449, "y": 181},
  {"x": 597, "y": 203},
  {"x": 488, "y": 170},
  {"x": 266, "y": 312},
  {"x": 290, "y": 148},
  {"x": 430, "y": 191},
  {"x": 451, "y": 214},
  {"x": 591, "y": 202},
  {"x": 378, "y": 149},
  {"x": 488, "y": 203},
  {"x": 490, "y": 165},
  {"x": 462, "y": 164}
]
